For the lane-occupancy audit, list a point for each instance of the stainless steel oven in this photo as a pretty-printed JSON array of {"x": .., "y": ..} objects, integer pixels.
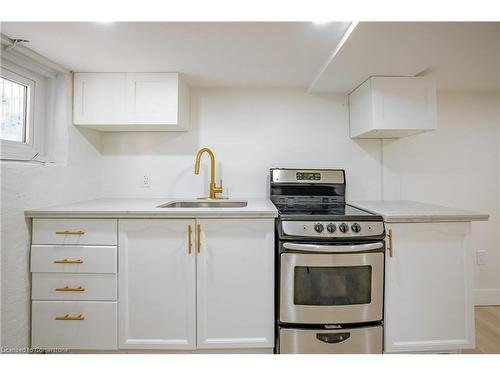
[
  {"x": 331, "y": 283},
  {"x": 330, "y": 266}
]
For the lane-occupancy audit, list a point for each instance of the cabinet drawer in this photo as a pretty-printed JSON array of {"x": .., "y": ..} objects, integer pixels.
[
  {"x": 74, "y": 232},
  {"x": 74, "y": 325},
  {"x": 73, "y": 259},
  {"x": 76, "y": 287},
  {"x": 361, "y": 340}
]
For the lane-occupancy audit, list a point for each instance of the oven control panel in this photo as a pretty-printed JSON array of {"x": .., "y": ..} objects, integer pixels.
[{"x": 332, "y": 229}]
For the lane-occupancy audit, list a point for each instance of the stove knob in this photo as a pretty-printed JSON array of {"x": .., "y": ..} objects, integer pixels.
[
  {"x": 356, "y": 228},
  {"x": 331, "y": 228},
  {"x": 343, "y": 227},
  {"x": 319, "y": 227}
]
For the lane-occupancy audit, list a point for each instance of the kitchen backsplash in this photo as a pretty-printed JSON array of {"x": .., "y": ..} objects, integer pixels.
[{"x": 249, "y": 131}]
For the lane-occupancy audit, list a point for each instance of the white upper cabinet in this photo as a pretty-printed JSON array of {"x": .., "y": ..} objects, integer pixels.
[
  {"x": 392, "y": 107},
  {"x": 99, "y": 98},
  {"x": 131, "y": 101}
]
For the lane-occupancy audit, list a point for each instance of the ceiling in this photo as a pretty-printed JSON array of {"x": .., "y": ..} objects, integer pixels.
[
  {"x": 458, "y": 55},
  {"x": 222, "y": 54}
]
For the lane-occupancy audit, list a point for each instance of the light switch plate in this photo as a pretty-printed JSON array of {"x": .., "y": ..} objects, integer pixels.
[{"x": 481, "y": 257}]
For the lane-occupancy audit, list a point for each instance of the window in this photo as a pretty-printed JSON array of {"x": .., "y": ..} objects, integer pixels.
[
  {"x": 15, "y": 108},
  {"x": 35, "y": 105},
  {"x": 17, "y": 112}
]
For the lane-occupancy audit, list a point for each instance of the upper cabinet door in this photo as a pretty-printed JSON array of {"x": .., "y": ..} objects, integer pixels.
[
  {"x": 131, "y": 101},
  {"x": 236, "y": 283},
  {"x": 157, "y": 295},
  {"x": 152, "y": 98},
  {"x": 99, "y": 98},
  {"x": 428, "y": 288}
]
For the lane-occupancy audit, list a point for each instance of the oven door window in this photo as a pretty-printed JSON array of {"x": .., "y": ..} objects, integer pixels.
[{"x": 332, "y": 286}]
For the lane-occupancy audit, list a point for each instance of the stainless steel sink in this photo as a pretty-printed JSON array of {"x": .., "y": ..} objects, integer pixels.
[{"x": 204, "y": 204}]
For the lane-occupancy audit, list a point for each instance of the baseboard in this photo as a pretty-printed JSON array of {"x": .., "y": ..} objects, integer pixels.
[{"x": 486, "y": 297}]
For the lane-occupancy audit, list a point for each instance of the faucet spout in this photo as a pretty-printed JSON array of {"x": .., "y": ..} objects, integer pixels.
[
  {"x": 214, "y": 189},
  {"x": 198, "y": 159}
]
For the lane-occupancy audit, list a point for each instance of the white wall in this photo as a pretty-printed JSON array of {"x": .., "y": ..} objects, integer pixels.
[
  {"x": 27, "y": 186},
  {"x": 458, "y": 166},
  {"x": 249, "y": 131}
]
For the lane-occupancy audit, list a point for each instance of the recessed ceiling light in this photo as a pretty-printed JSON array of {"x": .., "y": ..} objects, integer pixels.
[{"x": 320, "y": 22}]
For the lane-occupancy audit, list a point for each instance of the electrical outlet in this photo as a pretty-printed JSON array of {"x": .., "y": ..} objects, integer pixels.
[
  {"x": 481, "y": 257},
  {"x": 146, "y": 181}
]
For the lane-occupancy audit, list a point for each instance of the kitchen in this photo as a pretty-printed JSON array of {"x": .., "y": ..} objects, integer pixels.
[{"x": 133, "y": 138}]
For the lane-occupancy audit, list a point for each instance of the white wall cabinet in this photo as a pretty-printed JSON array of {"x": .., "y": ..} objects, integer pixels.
[
  {"x": 157, "y": 291},
  {"x": 131, "y": 101},
  {"x": 235, "y": 284},
  {"x": 165, "y": 304},
  {"x": 428, "y": 288},
  {"x": 392, "y": 107}
]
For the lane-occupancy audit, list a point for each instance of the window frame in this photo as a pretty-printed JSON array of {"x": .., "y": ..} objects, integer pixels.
[
  {"x": 30, "y": 85},
  {"x": 35, "y": 114}
]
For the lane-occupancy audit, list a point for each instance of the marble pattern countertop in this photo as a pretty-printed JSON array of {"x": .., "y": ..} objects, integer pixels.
[
  {"x": 417, "y": 212},
  {"x": 147, "y": 208}
]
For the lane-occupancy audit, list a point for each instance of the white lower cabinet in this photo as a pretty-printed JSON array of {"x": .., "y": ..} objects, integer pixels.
[
  {"x": 73, "y": 325},
  {"x": 182, "y": 284},
  {"x": 235, "y": 284},
  {"x": 428, "y": 288},
  {"x": 74, "y": 284},
  {"x": 186, "y": 284},
  {"x": 157, "y": 291}
]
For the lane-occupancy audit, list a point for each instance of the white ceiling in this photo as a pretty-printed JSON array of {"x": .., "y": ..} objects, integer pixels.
[
  {"x": 256, "y": 54},
  {"x": 458, "y": 55}
]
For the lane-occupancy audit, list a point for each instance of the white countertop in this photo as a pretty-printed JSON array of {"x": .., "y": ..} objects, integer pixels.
[
  {"x": 147, "y": 208},
  {"x": 417, "y": 212},
  {"x": 391, "y": 211}
]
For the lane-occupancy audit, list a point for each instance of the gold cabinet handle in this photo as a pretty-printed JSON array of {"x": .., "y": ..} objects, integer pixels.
[
  {"x": 68, "y": 317},
  {"x": 68, "y": 289},
  {"x": 190, "y": 243},
  {"x": 198, "y": 238},
  {"x": 71, "y": 232},
  {"x": 69, "y": 261},
  {"x": 390, "y": 248}
]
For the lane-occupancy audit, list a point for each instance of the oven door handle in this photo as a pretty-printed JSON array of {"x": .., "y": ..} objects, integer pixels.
[
  {"x": 333, "y": 248},
  {"x": 333, "y": 338}
]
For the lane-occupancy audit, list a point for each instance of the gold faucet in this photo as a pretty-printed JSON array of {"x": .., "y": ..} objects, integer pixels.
[{"x": 214, "y": 189}]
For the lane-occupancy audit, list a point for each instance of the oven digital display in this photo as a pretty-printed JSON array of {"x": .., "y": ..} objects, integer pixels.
[{"x": 308, "y": 176}]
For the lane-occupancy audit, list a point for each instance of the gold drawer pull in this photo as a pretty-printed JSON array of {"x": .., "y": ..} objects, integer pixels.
[
  {"x": 68, "y": 289},
  {"x": 67, "y": 317},
  {"x": 391, "y": 248},
  {"x": 198, "y": 238},
  {"x": 68, "y": 261},
  {"x": 71, "y": 232},
  {"x": 190, "y": 244}
]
